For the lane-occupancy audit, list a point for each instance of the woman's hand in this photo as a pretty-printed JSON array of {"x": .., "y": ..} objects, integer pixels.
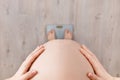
[
  {"x": 100, "y": 72},
  {"x": 23, "y": 72}
]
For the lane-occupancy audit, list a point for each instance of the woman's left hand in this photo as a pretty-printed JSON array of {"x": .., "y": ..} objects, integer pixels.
[
  {"x": 23, "y": 72},
  {"x": 100, "y": 72}
]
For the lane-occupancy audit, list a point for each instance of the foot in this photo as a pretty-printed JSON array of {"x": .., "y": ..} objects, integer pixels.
[
  {"x": 68, "y": 34},
  {"x": 51, "y": 35}
]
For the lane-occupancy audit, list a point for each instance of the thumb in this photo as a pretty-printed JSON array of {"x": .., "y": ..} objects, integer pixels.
[
  {"x": 29, "y": 75},
  {"x": 93, "y": 76}
]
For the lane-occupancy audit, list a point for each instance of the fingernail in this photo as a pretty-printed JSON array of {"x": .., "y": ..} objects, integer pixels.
[
  {"x": 90, "y": 74},
  {"x": 41, "y": 46},
  {"x": 80, "y": 46},
  {"x": 67, "y": 31},
  {"x": 84, "y": 46},
  {"x": 81, "y": 49},
  {"x": 37, "y": 48},
  {"x": 52, "y": 31},
  {"x": 34, "y": 71}
]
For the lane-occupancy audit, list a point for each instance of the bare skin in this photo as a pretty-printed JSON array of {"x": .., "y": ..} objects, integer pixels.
[
  {"x": 23, "y": 72},
  {"x": 67, "y": 35},
  {"x": 101, "y": 73},
  {"x": 51, "y": 35}
]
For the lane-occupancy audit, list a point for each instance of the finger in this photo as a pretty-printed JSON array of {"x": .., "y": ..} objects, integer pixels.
[
  {"x": 29, "y": 60},
  {"x": 90, "y": 53},
  {"x": 36, "y": 52},
  {"x": 92, "y": 76},
  {"x": 87, "y": 55},
  {"x": 85, "y": 48},
  {"x": 29, "y": 75},
  {"x": 98, "y": 68},
  {"x": 37, "y": 48},
  {"x": 92, "y": 61}
]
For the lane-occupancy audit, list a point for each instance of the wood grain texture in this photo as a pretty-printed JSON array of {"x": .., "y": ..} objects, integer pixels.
[{"x": 22, "y": 28}]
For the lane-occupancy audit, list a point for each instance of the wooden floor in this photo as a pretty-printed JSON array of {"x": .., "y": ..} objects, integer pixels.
[{"x": 22, "y": 28}]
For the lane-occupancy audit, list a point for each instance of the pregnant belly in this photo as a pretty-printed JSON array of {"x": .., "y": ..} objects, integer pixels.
[{"x": 61, "y": 60}]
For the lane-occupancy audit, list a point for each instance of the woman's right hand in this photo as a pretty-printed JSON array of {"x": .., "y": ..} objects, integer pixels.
[
  {"x": 23, "y": 73},
  {"x": 100, "y": 72}
]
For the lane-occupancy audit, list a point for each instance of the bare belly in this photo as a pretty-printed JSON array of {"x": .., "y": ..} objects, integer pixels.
[{"x": 61, "y": 60}]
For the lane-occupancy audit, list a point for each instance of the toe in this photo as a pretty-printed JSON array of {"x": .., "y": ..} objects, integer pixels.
[
  {"x": 66, "y": 31},
  {"x": 51, "y": 35},
  {"x": 68, "y": 34}
]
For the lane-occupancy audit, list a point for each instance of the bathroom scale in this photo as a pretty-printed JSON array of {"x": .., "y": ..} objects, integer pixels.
[{"x": 59, "y": 29}]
